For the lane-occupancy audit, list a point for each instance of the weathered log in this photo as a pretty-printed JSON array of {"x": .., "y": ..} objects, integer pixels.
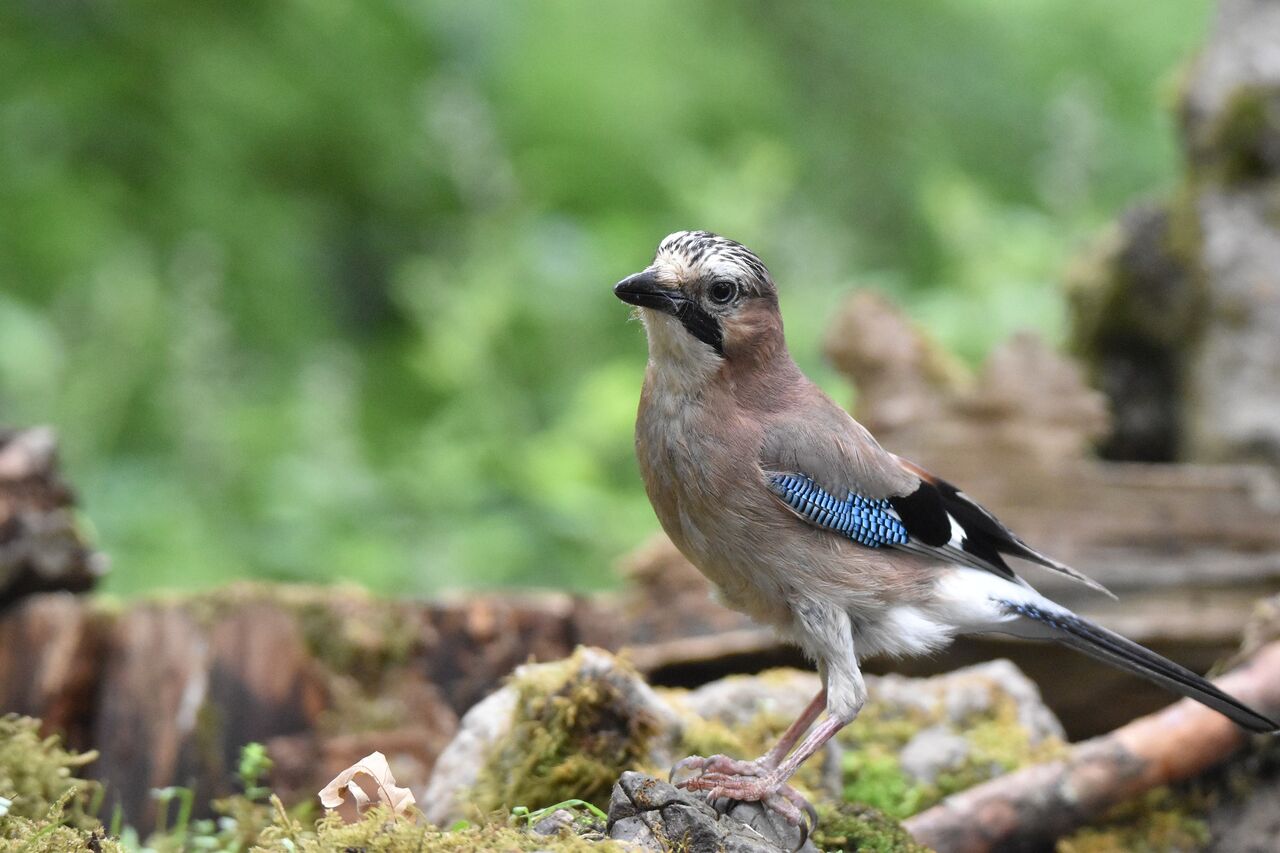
[
  {"x": 469, "y": 644},
  {"x": 1029, "y": 809},
  {"x": 51, "y": 648},
  {"x": 169, "y": 691},
  {"x": 180, "y": 697}
]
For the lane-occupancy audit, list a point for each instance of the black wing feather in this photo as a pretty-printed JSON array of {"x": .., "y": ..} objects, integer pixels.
[
  {"x": 928, "y": 514},
  {"x": 924, "y": 514},
  {"x": 985, "y": 537}
]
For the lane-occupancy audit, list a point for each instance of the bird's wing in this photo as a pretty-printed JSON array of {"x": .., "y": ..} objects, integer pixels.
[
  {"x": 831, "y": 473},
  {"x": 977, "y": 533}
]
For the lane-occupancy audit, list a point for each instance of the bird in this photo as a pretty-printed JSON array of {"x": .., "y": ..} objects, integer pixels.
[{"x": 801, "y": 519}]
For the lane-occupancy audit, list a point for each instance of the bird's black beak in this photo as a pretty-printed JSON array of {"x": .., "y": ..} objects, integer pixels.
[{"x": 644, "y": 290}]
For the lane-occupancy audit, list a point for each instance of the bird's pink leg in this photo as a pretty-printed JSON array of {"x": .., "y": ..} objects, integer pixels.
[
  {"x": 753, "y": 780},
  {"x": 770, "y": 787},
  {"x": 771, "y": 759},
  {"x": 796, "y": 730}
]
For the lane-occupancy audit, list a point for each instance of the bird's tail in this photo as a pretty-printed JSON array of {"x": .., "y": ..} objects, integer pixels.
[{"x": 1099, "y": 643}]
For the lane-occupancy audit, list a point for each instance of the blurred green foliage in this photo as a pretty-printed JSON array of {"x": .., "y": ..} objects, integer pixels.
[{"x": 321, "y": 290}]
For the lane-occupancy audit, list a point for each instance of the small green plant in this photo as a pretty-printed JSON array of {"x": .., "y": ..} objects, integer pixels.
[
  {"x": 252, "y": 769},
  {"x": 186, "y": 801},
  {"x": 522, "y": 813},
  {"x": 587, "y": 819}
]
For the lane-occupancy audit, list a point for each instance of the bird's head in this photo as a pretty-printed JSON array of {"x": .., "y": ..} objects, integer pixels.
[{"x": 705, "y": 299}]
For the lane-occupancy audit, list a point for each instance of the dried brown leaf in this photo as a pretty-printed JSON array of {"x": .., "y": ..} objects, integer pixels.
[{"x": 366, "y": 783}]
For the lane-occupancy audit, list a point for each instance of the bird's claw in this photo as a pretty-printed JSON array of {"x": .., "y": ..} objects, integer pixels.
[
  {"x": 696, "y": 763},
  {"x": 747, "y": 781}
]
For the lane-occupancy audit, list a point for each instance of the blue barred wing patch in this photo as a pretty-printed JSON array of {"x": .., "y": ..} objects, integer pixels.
[{"x": 869, "y": 522}]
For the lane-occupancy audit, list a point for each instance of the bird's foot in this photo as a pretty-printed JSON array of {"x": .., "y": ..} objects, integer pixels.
[
  {"x": 721, "y": 764},
  {"x": 755, "y": 781}
]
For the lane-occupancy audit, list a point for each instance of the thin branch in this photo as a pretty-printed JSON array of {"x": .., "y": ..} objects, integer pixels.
[{"x": 1029, "y": 809}]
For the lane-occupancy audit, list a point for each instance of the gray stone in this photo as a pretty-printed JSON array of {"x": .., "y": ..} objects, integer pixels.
[
  {"x": 739, "y": 699},
  {"x": 971, "y": 692},
  {"x": 932, "y": 751},
  {"x": 555, "y": 823},
  {"x": 654, "y": 815},
  {"x": 458, "y": 767}
]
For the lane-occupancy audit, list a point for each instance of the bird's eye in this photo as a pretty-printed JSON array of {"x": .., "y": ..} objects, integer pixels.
[{"x": 722, "y": 292}]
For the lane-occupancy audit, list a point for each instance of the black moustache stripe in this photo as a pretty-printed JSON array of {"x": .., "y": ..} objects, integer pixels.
[{"x": 701, "y": 325}]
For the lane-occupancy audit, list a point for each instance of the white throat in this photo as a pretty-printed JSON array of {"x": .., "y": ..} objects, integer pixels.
[{"x": 679, "y": 364}]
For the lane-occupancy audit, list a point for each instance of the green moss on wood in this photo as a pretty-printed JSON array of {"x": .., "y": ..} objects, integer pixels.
[
  {"x": 1158, "y": 822},
  {"x": 358, "y": 635}
]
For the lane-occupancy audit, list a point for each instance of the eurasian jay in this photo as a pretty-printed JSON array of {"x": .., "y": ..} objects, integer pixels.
[{"x": 800, "y": 519}]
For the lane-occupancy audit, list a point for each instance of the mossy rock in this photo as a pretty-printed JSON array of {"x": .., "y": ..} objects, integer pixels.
[
  {"x": 569, "y": 729},
  {"x": 576, "y": 726},
  {"x": 991, "y": 712}
]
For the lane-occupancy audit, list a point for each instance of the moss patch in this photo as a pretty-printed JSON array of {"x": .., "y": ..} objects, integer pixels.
[
  {"x": 849, "y": 827},
  {"x": 46, "y": 807},
  {"x": 51, "y": 833},
  {"x": 712, "y": 737},
  {"x": 344, "y": 627},
  {"x": 350, "y": 634},
  {"x": 380, "y": 831},
  {"x": 1159, "y": 822},
  {"x": 1244, "y": 143},
  {"x": 576, "y": 727},
  {"x": 36, "y": 773},
  {"x": 872, "y": 772}
]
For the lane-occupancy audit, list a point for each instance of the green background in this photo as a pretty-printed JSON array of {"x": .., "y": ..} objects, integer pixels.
[{"x": 321, "y": 291}]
